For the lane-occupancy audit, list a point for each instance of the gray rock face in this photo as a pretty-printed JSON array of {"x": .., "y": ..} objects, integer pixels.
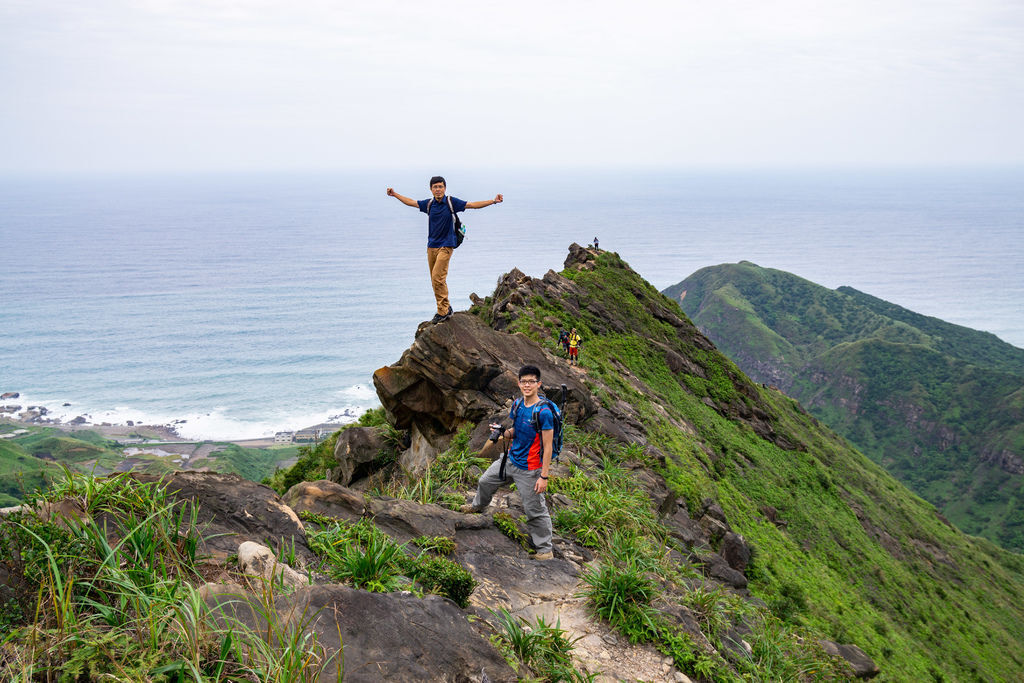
[
  {"x": 357, "y": 447},
  {"x": 462, "y": 370},
  {"x": 735, "y": 550},
  {"x": 404, "y": 520},
  {"x": 863, "y": 666},
  {"x": 387, "y": 637}
]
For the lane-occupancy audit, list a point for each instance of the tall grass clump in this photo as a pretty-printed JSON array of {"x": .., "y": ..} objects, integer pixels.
[
  {"x": 539, "y": 651},
  {"x": 365, "y": 557},
  {"x": 606, "y": 502},
  {"x": 106, "y": 591}
]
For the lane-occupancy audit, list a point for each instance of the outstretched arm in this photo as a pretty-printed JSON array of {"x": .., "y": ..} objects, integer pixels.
[
  {"x": 498, "y": 199},
  {"x": 405, "y": 200}
]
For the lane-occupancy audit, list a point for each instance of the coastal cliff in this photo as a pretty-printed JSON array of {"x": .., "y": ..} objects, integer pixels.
[{"x": 707, "y": 528}]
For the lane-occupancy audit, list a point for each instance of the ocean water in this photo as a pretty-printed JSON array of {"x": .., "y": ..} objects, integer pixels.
[{"x": 247, "y": 304}]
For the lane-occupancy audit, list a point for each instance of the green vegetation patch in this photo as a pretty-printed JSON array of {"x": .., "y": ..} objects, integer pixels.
[
  {"x": 117, "y": 599},
  {"x": 848, "y": 553},
  {"x": 364, "y": 556}
]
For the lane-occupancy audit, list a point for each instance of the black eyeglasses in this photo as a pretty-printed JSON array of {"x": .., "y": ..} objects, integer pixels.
[{"x": 529, "y": 381}]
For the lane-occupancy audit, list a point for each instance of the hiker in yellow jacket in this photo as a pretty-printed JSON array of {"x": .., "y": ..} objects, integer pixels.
[{"x": 574, "y": 347}]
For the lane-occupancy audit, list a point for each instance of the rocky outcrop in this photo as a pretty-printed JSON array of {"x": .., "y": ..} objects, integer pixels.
[
  {"x": 1005, "y": 460},
  {"x": 386, "y": 637},
  {"x": 232, "y": 510},
  {"x": 357, "y": 448},
  {"x": 463, "y": 371}
]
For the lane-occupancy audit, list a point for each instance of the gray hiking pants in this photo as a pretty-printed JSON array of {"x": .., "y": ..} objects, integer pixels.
[{"x": 538, "y": 521}]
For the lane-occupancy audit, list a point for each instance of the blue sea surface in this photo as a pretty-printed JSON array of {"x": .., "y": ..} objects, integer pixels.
[{"x": 252, "y": 303}]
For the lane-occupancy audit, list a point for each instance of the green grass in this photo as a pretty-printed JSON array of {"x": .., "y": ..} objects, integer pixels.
[
  {"x": 365, "y": 557},
  {"x": 119, "y": 600},
  {"x": 930, "y": 401},
  {"x": 538, "y": 649},
  {"x": 860, "y": 559}
]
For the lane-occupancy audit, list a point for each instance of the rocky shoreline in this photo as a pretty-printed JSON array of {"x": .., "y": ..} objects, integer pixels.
[{"x": 13, "y": 411}]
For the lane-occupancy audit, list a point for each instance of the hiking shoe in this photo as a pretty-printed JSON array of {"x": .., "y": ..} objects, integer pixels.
[
  {"x": 541, "y": 557},
  {"x": 468, "y": 508},
  {"x": 446, "y": 316},
  {"x": 436, "y": 319}
]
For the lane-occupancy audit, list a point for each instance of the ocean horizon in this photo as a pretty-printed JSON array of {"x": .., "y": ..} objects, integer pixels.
[{"x": 244, "y": 304}]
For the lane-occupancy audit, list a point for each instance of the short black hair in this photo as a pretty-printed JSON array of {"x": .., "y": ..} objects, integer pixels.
[
  {"x": 529, "y": 370},
  {"x": 437, "y": 179}
]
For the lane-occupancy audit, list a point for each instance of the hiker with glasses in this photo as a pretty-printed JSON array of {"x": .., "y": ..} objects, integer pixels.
[
  {"x": 442, "y": 237},
  {"x": 527, "y": 461}
]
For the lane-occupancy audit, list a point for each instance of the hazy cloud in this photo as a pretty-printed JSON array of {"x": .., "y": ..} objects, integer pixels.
[{"x": 210, "y": 84}]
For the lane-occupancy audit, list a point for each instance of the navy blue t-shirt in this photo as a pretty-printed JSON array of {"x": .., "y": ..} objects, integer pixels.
[{"x": 441, "y": 231}]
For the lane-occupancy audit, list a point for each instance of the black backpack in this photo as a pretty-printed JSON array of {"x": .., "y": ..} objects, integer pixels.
[{"x": 460, "y": 229}]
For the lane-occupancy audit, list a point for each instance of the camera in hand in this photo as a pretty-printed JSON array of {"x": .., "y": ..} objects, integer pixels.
[{"x": 496, "y": 431}]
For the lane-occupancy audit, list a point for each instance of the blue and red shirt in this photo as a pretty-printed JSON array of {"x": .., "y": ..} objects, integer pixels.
[
  {"x": 527, "y": 450},
  {"x": 441, "y": 225}
]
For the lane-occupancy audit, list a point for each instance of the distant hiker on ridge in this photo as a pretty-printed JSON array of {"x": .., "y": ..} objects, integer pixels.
[
  {"x": 574, "y": 347},
  {"x": 595, "y": 243},
  {"x": 441, "y": 237}
]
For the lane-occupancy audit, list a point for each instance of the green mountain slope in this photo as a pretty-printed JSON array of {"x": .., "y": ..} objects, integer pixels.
[
  {"x": 938, "y": 405},
  {"x": 842, "y": 546}
]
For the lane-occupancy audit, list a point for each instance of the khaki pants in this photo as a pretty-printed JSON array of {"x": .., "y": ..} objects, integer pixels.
[{"x": 437, "y": 261}]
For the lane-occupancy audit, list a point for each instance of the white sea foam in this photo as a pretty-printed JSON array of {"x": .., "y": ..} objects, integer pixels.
[{"x": 218, "y": 424}]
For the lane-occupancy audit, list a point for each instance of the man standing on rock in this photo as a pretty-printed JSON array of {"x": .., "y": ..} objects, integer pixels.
[
  {"x": 528, "y": 462},
  {"x": 441, "y": 242}
]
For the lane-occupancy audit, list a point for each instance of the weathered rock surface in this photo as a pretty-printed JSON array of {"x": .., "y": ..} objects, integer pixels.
[
  {"x": 464, "y": 371},
  {"x": 233, "y": 510},
  {"x": 325, "y": 497},
  {"x": 863, "y": 666},
  {"x": 259, "y": 561},
  {"x": 387, "y": 637},
  {"x": 357, "y": 447}
]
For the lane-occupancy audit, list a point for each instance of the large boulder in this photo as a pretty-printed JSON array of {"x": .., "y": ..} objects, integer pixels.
[
  {"x": 392, "y": 636},
  {"x": 356, "y": 448},
  {"x": 464, "y": 371},
  {"x": 233, "y": 510},
  {"x": 405, "y": 520},
  {"x": 862, "y": 665}
]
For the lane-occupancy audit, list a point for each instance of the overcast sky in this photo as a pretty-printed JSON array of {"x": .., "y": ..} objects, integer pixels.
[{"x": 207, "y": 85}]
